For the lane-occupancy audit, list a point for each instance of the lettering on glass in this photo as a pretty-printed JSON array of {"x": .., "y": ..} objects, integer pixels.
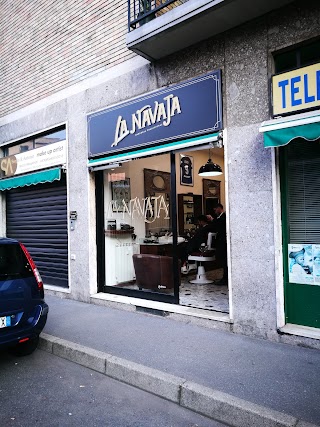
[
  {"x": 160, "y": 113},
  {"x": 149, "y": 209}
]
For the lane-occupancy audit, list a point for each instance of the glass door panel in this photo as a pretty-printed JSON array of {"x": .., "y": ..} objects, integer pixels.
[
  {"x": 197, "y": 195},
  {"x": 138, "y": 228}
]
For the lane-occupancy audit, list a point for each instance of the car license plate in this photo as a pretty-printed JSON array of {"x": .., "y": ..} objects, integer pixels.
[{"x": 5, "y": 321}]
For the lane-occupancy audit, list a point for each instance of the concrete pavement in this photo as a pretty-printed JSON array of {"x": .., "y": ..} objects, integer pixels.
[{"x": 233, "y": 379}]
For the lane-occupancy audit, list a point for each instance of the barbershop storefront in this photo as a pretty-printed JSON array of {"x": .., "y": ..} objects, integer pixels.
[
  {"x": 33, "y": 183},
  {"x": 146, "y": 154},
  {"x": 295, "y": 137}
]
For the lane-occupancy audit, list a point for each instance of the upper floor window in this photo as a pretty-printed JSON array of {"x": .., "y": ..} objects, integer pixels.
[
  {"x": 299, "y": 56},
  {"x": 35, "y": 142}
]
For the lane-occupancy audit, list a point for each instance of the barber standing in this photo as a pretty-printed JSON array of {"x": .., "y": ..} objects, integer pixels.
[{"x": 221, "y": 243}]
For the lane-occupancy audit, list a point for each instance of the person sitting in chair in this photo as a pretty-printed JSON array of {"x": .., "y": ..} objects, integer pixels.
[{"x": 193, "y": 245}]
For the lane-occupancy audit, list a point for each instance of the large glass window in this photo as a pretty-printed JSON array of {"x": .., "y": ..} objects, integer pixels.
[
  {"x": 148, "y": 225},
  {"x": 39, "y": 141},
  {"x": 299, "y": 56},
  {"x": 138, "y": 226}
]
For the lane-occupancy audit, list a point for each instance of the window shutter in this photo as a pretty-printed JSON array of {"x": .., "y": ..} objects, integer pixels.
[{"x": 304, "y": 192}]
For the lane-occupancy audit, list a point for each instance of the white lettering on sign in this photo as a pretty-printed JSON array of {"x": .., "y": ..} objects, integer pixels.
[
  {"x": 296, "y": 90},
  {"x": 149, "y": 208},
  {"x": 147, "y": 116}
]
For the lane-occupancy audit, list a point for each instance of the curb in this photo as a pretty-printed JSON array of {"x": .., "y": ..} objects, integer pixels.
[{"x": 211, "y": 403}]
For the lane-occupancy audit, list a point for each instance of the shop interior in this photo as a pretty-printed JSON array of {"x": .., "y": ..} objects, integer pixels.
[{"x": 138, "y": 221}]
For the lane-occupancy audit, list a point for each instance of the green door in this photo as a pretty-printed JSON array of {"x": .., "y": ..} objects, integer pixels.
[{"x": 300, "y": 194}]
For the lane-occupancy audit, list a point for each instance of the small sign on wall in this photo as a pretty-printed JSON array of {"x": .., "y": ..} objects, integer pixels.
[
  {"x": 304, "y": 263},
  {"x": 121, "y": 194},
  {"x": 186, "y": 170}
]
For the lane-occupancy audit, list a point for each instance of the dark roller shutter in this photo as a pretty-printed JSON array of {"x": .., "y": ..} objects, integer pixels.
[{"x": 37, "y": 216}]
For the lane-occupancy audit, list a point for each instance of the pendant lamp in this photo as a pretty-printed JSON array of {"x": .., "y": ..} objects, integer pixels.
[{"x": 210, "y": 168}]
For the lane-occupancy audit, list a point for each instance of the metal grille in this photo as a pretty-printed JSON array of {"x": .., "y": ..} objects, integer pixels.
[{"x": 37, "y": 216}]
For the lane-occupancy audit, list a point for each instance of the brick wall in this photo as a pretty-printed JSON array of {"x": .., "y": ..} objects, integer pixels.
[{"x": 46, "y": 46}]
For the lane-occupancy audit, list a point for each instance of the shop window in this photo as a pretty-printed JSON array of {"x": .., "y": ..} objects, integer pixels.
[
  {"x": 138, "y": 227},
  {"x": 148, "y": 218},
  {"x": 50, "y": 138},
  {"x": 36, "y": 142},
  {"x": 297, "y": 57}
]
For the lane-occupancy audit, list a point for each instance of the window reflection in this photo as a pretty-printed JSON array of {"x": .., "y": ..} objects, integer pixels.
[
  {"x": 137, "y": 218},
  {"x": 36, "y": 143}
]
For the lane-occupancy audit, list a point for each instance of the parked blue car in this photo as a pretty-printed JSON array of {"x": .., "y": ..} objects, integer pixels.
[{"x": 23, "y": 311}]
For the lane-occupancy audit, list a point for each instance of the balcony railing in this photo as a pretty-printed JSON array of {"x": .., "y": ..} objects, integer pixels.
[
  {"x": 179, "y": 24},
  {"x": 142, "y": 11}
]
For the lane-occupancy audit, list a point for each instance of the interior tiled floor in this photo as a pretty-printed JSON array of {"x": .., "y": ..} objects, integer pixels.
[{"x": 209, "y": 297}]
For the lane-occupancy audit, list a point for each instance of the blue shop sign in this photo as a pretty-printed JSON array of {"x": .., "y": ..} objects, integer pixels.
[{"x": 181, "y": 111}]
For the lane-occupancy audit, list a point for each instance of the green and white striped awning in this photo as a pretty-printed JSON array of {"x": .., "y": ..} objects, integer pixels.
[
  {"x": 34, "y": 178},
  {"x": 279, "y": 132}
]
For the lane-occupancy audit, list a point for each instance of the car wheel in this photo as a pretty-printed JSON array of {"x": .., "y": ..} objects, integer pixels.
[{"x": 25, "y": 348}]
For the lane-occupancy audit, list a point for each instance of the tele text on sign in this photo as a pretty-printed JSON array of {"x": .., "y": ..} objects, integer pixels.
[{"x": 296, "y": 90}]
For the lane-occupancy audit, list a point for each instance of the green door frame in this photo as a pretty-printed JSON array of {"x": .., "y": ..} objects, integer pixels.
[{"x": 301, "y": 301}]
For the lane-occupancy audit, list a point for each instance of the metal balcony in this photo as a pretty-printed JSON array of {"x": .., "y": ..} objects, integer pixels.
[
  {"x": 142, "y": 11},
  {"x": 158, "y": 28}
]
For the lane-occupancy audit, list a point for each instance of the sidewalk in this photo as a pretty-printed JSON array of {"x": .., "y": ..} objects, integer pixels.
[{"x": 235, "y": 379}]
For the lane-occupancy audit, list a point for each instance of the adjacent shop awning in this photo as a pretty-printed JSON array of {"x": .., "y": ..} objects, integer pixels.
[
  {"x": 30, "y": 179},
  {"x": 279, "y": 132},
  {"x": 102, "y": 163}
]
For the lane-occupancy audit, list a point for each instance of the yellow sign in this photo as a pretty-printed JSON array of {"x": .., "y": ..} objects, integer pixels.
[{"x": 296, "y": 90}]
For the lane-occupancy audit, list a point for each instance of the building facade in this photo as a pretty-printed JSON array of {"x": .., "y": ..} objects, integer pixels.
[{"x": 104, "y": 130}]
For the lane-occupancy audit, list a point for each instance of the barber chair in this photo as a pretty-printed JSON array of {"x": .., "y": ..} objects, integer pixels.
[{"x": 200, "y": 258}]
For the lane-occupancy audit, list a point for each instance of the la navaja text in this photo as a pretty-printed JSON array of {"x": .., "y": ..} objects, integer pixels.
[
  {"x": 147, "y": 116},
  {"x": 148, "y": 208}
]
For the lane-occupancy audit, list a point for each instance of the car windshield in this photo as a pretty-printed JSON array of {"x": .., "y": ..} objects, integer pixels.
[{"x": 13, "y": 261}]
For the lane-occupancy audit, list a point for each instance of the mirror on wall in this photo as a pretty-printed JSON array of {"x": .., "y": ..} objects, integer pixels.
[
  {"x": 157, "y": 193},
  {"x": 189, "y": 208},
  {"x": 211, "y": 194}
]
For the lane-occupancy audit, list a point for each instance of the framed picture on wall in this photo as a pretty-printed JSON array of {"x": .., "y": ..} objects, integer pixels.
[
  {"x": 186, "y": 170},
  {"x": 211, "y": 194},
  {"x": 211, "y": 188},
  {"x": 120, "y": 192}
]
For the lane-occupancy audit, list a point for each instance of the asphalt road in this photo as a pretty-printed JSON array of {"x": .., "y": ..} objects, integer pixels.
[{"x": 45, "y": 390}]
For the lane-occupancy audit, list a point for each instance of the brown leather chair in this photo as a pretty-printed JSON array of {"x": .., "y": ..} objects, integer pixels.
[{"x": 154, "y": 271}]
